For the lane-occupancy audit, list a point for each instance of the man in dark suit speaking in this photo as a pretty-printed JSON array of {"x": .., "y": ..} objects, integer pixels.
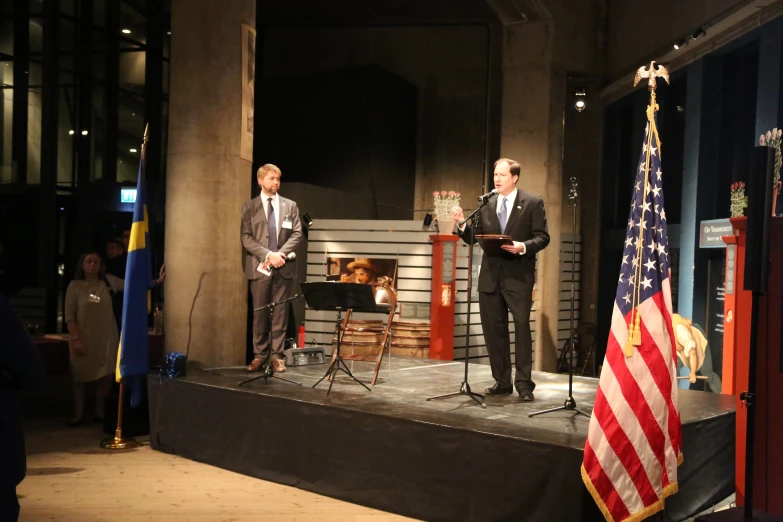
[
  {"x": 506, "y": 281},
  {"x": 270, "y": 232}
]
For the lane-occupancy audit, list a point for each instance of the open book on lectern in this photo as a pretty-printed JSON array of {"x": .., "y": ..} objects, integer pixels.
[{"x": 491, "y": 243}]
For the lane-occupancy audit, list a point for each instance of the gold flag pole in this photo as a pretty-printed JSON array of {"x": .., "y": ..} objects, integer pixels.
[
  {"x": 651, "y": 73},
  {"x": 118, "y": 442}
]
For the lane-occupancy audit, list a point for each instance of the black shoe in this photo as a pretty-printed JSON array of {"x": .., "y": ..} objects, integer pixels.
[
  {"x": 497, "y": 389},
  {"x": 526, "y": 395}
]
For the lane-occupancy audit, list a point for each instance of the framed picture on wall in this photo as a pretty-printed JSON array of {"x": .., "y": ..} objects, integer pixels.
[
  {"x": 248, "y": 91},
  {"x": 366, "y": 270}
]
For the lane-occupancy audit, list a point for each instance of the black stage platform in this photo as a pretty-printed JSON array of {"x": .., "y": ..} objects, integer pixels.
[{"x": 444, "y": 460}]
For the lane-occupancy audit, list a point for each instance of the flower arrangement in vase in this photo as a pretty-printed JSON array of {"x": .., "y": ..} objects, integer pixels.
[
  {"x": 772, "y": 139},
  {"x": 739, "y": 201},
  {"x": 444, "y": 201}
]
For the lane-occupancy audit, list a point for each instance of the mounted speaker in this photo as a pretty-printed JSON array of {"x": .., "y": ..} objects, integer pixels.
[{"x": 759, "y": 192}]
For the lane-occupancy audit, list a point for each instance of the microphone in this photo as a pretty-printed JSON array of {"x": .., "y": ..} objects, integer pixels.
[
  {"x": 267, "y": 267},
  {"x": 487, "y": 195}
]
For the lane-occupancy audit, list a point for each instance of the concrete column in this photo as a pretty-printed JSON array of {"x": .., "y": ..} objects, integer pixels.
[
  {"x": 769, "y": 108},
  {"x": 206, "y": 182},
  {"x": 531, "y": 133}
]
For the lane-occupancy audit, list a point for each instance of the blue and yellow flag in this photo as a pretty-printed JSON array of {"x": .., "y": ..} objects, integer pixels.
[{"x": 132, "y": 357}]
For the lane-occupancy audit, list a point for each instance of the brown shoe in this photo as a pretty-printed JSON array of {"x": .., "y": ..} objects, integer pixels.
[
  {"x": 255, "y": 366},
  {"x": 278, "y": 365}
]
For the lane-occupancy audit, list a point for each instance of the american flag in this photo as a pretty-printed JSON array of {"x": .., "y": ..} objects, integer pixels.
[{"x": 634, "y": 443}]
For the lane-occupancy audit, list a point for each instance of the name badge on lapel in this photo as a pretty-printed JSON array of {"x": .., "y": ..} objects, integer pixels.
[{"x": 287, "y": 224}]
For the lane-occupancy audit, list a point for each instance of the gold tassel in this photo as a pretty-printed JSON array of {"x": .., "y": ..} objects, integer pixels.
[
  {"x": 628, "y": 348},
  {"x": 634, "y": 335},
  {"x": 637, "y": 332}
]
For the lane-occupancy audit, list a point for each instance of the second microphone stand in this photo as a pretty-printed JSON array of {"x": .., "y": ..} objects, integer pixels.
[
  {"x": 465, "y": 387},
  {"x": 570, "y": 402},
  {"x": 267, "y": 371}
]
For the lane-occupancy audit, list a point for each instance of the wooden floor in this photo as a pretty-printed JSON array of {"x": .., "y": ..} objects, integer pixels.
[{"x": 70, "y": 479}]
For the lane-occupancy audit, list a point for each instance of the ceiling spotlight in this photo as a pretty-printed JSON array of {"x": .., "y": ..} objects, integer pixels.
[
  {"x": 126, "y": 31},
  {"x": 134, "y": 150},
  {"x": 680, "y": 44},
  {"x": 580, "y": 91},
  {"x": 427, "y": 219},
  {"x": 168, "y": 33},
  {"x": 580, "y": 105},
  {"x": 84, "y": 133},
  {"x": 307, "y": 219},
  {"x": 71, "y": 132},
  {"x": 697, "y": 33}
]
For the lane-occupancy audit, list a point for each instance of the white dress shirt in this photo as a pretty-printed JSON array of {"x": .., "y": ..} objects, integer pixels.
[{"x": 511, "y": 198}]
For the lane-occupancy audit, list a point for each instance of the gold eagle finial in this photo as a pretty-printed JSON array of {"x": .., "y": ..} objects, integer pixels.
[{"x": 651, "y": 73}]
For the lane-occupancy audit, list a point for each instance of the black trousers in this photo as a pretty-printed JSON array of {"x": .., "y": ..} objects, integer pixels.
[
  {"x": 9, "y": 505},
  {"x": 265, "y": 291},
  {"x": 494, "y": 308}
]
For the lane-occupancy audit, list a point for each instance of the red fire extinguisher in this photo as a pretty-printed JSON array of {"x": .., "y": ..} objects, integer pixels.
[{"x": 301, "y": 342}]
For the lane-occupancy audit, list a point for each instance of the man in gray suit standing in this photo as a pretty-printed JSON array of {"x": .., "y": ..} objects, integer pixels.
[
  {"x": 506, "y": 281},
  {"x": 270, "y": 231}
]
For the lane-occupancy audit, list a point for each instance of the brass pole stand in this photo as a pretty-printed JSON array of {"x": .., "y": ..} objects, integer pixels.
[{"x": 118, "y": 442}]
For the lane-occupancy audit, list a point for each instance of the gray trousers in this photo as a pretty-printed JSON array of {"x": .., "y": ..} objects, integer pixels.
[{"x": 265, "y": 291}]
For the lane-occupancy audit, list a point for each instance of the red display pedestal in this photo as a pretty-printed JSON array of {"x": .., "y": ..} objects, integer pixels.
[
  {"x": 444, "y": 277},
  {"x": 768, "y": 457}
]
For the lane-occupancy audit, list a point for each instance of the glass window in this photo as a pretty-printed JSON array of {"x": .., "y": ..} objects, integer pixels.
[
  {"x": 97, "y": 132},
  {"x": 34, "y": 104},
  {"x": 6, "y": 36},
  {"x": 133, "y": 24},
  {"x": 68, "y": 7},
  {"x": 65, "y": 140},
  {"x": 6, "y": 112},
  {"x": 35, "y": 70},
  {"x": 67, "y": 36},
  {"x": 36, "y": 36}
]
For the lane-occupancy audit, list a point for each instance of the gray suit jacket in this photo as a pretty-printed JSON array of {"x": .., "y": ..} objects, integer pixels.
[
  {"x": 255, "y": 237},
  {"x": 526, "y": 223}
]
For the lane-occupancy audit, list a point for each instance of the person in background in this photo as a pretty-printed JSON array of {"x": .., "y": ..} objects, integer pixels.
[
  {"x": 116, "y": 260},
  {"x": 21, "y": 368},
  {"x": 94, "y": 336},
  {"x": 116, "y": 257},
  {"x": 94, "y": 333},
  {"x": 126, "y": 234}
]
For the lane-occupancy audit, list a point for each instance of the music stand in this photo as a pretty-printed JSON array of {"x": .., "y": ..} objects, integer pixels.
[
  {"x": 331, "y": 295},
  {"x": 267, "y": 371}
]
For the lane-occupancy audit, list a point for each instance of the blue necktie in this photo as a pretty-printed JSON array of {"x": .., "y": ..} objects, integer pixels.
[
  {"x": 503, "y": 215},
  {"x": 272, "y": 224}
]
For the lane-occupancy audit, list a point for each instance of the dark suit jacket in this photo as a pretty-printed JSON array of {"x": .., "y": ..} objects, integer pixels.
[
  {"x": 255, "y": 236},
  {"x": 21, "y": 367},
  {"x": 526, "y": 223}
]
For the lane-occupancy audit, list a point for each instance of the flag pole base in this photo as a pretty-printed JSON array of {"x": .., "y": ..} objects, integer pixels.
[{"x": 118, "y": 443}]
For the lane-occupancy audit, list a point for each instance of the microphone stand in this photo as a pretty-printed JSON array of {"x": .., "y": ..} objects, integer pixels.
[
  {"x": 267, "y": 371},
  {"x": 465, "y": 387},
  {"x": 570, "y": 403}
]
